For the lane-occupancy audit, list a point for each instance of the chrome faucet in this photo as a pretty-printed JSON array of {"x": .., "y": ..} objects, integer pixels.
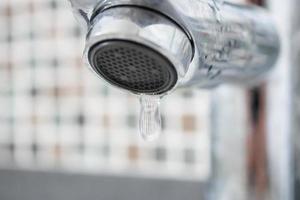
[{"x": 154, "y": 46}]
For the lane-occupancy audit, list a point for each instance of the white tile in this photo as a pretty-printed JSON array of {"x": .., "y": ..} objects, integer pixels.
[
  {"x": 42, "y": 22},
  {"x": 4, "y": 50},
  {"x": 20, "y": 53},
  {"x": 68, "y": 135},
  {"x": 24, "y": 157},
  {"x": 93, "y": 136},
  {"x": 44, "y": 50},
  {"x": 20, "y": 25},
  {"x": 44, "y": 76},
  {"x": 5, "y": 133},
  {"x": 6, "y": 157},
  {"x": 46, "y": 157},
  {"x": 69, "y": 107},
  {"x": 22, "y": 106},
  {"x": 23, "y": 133},
  {"x": 68, "y": 76},
  {"x": 46, "y": 134},
  {"x": 45, "y": 107},
  {"x": 22, "y": 79}
]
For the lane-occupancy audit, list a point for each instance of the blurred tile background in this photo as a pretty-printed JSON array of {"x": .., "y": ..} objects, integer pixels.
[{"x": 57, "y": 115}]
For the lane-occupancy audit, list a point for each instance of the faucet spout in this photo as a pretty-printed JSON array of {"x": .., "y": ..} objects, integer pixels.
[{"x": 153, "y": 47}]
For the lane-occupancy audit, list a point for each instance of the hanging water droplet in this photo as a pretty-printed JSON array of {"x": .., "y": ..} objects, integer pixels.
[{"x": 150, "y": 118}]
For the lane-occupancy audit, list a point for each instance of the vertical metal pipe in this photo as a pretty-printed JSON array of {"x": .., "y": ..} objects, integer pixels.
[
  {"x": 258, "y": 180},
  {"x": 296, "y": 114},
  {"x": 266, "y": 136},
  {"x": 279, "y": 109},
  {"x": 296, "y": 97},
  {"x": 229, "y": 133}
]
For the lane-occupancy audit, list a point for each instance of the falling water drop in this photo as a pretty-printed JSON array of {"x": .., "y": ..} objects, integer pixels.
[{"x": 150, "y": 118}]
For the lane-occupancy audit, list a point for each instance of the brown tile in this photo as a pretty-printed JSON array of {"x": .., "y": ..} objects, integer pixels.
[
  {"x": 9, "y": 67},
  {"x": 31, "y": 7},
  {"x": 106, "y": 121},
  {"x": 189, "y": 123},
  {"x": 57, "y": 151},
  {"x": 78, "y": 62},
  {"x": 81, "y": 88},
  {"x": 133, "y": 153},
  {"x": 34, "y": 119},
  {"x": 65, "y": 91},
  {"x": 70, "y": 91},
  {"x": 7, "y": 11},
  {"x": 53, "y": 31}
]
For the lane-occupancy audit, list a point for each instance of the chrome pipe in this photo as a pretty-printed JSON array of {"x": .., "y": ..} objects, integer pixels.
[{"x": 188, "y": 43}]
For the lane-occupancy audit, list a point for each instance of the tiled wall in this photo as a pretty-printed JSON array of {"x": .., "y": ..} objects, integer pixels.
[{"x": 55, "y": 114}]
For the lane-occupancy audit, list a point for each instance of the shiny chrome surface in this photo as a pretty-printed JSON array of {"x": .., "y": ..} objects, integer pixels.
[
  {"x": 154, "y": 30},
  {"x": 237, "y": 43}
]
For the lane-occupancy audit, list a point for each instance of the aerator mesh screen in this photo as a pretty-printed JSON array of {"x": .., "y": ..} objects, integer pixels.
[{"x": 133, "y": 66}]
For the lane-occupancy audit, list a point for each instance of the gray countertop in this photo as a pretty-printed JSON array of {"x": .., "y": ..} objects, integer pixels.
[{"x": 28, "y": 185}]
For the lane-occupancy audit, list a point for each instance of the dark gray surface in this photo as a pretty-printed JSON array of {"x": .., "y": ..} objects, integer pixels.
[
  {"x": 297, "y": 190},
  {"x": 18, "y": 185},
  {"x": 295, "y": 49}
]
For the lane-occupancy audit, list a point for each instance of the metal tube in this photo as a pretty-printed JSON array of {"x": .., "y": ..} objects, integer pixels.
[{"x": 235, "y": 44}]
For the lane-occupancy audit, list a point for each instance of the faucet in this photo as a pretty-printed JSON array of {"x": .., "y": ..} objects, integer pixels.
[{"x": 152, "y": 47}]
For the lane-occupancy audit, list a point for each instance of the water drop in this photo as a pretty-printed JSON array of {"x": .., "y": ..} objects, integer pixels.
[{"x": 150, "y": 118}]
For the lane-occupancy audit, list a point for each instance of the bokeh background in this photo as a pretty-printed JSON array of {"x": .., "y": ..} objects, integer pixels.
[{"x": 57, "y": 116}]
